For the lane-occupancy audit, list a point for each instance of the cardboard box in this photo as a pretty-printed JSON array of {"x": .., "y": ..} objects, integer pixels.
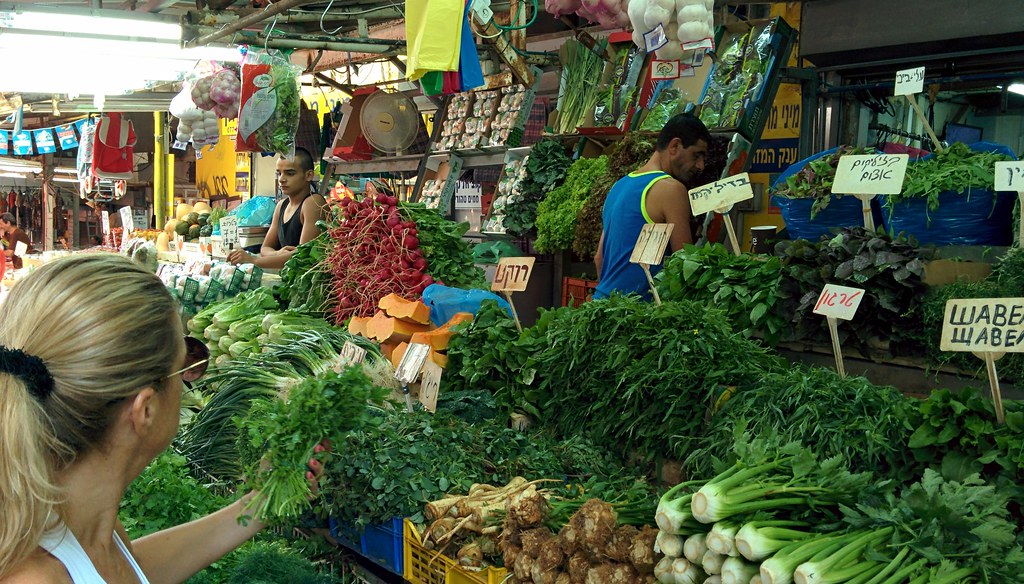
[{"x": 943, "y": 272}]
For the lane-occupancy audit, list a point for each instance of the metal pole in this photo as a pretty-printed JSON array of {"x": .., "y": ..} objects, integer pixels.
[
  {"x": 247, "y": 21},
  {"x": 306, "y": 41},
  {"x": 159, "y": 165}
]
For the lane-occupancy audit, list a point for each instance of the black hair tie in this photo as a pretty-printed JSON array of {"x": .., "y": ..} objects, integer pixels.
[{"x": 29, "y": 368}]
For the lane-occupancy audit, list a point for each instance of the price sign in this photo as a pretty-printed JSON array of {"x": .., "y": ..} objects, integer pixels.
[
  {"x": 909, "y": 81},
  {"x": 229, "y": 230},
  {"x": 468, "y": 197},
  {"x": 127, "y": 219},
  {"x": 412, "y": 362},
  {"x": 351, "y": 354},
  {"x": 839, "y": 302},
  {"x": 513, "y": 274},
  {"x": 191, "y": 249},
  {"x": 870, "y": 174},
  {"x": 20, "y": 249},
  {"x": 430, "y": 385},
  {"x": 721, "y": 194},
  {"x": 650, "y": 246},
  {"x": 1010, "y": 176},
  {"x": 106, "y": 222},
  {"x": 984, "y": 325}
]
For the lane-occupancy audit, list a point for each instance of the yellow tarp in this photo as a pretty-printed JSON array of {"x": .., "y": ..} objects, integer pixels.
[{"x": 433, "y": 33}]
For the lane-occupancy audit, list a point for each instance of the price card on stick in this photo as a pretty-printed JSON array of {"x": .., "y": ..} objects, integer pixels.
[
  {"x": 1010, "y": 177},
  {"x": 229, "y": 231},
  {"x": 430, "y": 385},
  {"x": 351, "y": 354},
  {"x": 409, "y": 368},
  {"x": 719, "y": 197},
  {"x": 513, "y": 275},
  {"x": 838, "y": 303},
  {"x": 127, "y": 219},
  {"x": 20, "y": 249},
  {"x": 650, "y": 250},
  {"x": 910, "y": 82},
  {"x": 867, "y": 175},
  {"x": 989, "y": 328},
  {"x": 106, "y": 222}
]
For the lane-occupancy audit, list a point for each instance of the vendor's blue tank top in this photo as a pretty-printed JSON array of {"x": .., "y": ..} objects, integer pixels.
[{"x": 625, "y": 213}]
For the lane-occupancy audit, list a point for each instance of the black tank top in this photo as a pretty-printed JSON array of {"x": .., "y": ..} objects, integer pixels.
[{"x": 290, "y": 233}]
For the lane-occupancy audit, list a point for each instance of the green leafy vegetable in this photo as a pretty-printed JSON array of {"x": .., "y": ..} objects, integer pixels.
[
  {"x": 556, "y": 214},
  {"x": 814, "y": 181},
  {"x": 957, "y": 169},
  {"x": 448, "y": 255}
]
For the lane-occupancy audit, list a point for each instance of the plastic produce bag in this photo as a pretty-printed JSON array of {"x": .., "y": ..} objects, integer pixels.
[
  {"x": 445, "y": 302},
  {"x": 255, "y": 212},
  {"x": 268, "y": 116}
]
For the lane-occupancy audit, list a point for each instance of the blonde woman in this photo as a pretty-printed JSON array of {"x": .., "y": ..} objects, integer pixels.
[{"x": 92, "y": 363}]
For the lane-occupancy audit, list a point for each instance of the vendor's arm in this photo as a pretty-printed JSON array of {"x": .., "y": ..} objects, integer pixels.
[
  {"x": 269, "y": 249},
  {"x": 314, "y": 210},
  {"x": 598, "y": 257},
  {"x": 669, "y": 202}
]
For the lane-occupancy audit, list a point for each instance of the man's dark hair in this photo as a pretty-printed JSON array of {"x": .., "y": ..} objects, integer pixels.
[
  {"x": 7, "y": 218},
  {"x": 687, "y": 128},
  {"x": 304, "y": 158}
]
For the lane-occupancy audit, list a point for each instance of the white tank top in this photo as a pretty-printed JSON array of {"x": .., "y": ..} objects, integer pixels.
[{"x": 63, "y": 545}]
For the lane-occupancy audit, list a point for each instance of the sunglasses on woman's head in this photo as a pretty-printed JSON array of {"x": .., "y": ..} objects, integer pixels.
[{"x": 197, "y": 360}]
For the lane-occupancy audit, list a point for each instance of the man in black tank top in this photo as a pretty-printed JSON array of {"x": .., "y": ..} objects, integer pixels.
[{"x": 295, "y": 217}]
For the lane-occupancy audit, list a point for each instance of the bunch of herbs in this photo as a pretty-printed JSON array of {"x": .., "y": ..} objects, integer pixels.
[
  {"x": 956, "y": 169},
  {"x": 545, "y": 169},
  {"x": 449, "y": 256},
  {"x": 556, "y": 214}
]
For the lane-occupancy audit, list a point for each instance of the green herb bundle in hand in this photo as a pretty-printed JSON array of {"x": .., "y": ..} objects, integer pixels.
[{"x": 278, "y": 436}]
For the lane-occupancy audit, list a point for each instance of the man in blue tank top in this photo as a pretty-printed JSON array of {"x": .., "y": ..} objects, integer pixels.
[{"x": 655, "y": 193}]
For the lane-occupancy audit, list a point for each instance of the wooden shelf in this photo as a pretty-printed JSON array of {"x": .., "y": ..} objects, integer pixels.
[{"x": 410, "y": 162}]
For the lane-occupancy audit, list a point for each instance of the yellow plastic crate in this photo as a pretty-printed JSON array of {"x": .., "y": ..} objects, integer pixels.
[{"x": 423, "y": 566}]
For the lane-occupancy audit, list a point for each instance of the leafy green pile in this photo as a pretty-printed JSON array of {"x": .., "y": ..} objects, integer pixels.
[
  {"x": 266, "y": 562},
  {"x": 635, "y": 376},
  {"x": 277, "y": 134},
  {"x": 281, "y": 432},
  {"x": 958, "y": 435},
  {"x": 891, "y": 270},
  {"x": 957, "y": 169},
  {"x": 745, "y": 287},
  {"x": 395, "y": 466},
  {"x": 866, "y": 424},
  {"x": 545, "y": 169},
  {"x": 166, "y": 495},
  {"x": 305, "y": 282},
  {"x": 556, "y": 214},
  {"x": 815, "y": 180},
  {"x": 449, "y": 256}
]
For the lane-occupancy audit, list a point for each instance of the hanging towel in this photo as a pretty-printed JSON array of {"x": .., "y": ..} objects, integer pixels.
[
  {"x": 470, "y": 74},
  {"x": 433, "y": 32}
]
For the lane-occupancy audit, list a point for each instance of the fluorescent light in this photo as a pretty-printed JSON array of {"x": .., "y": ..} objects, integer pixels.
[
  {"x": 64, "y": 179},
  {"x": 19, "y": 164},
  {"x": 1017, "y": 88},
  {"x": 90, "y": 23},
  {"x": 65, "y": 170},
  {"x": 13, "y": 174}
]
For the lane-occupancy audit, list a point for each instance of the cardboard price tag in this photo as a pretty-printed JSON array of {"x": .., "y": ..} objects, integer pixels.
[
  {"x": 650, "y": 246},
  {"x": 721, "y": 194},
  {"x": 870, "y": 174},
  {"x": 127, "y": 219},
  {"x": 20, "y": 249},
  {"x": 351, "y": 354},
  {"x": 412, "y": 363},
  {"x": 229, "y": 230},
  {"x": 430, "y": 385},
  {"x": 1010, "y": 175},
  {"x": 513, "y": 274},
  {"x": 839, "y": 302},
  {"x": 469, "y": 197},
  {"x": 985, "y": 325},
  {"x": 909, "y": 81},
  {"x": 106, "y": 222}
]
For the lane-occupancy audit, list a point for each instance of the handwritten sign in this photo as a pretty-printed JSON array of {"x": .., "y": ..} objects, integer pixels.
[
  {"x": 721, "y": 194},
  {"x": 229, "y": 230},
  {"x": 430, "y": 385},
  {"x": 20, "y": 249},
  {"x": 106, "y": 222},
  {"x": 650, "y": 246},
  {"x": 412, "y": 362},
  {"x": 127, "y": 219},
  {"x": 994, "y": 325},
  {"x": 351, "y": 354},
  {"x": 513, "y": 274},
  {"x": 909, "y": 81},
  {"x": 1009, "y": 175},
  {"x": 870, "y": 174},
  {"x": 468, "y": 197},
  {"x": 839, "y": 302}
]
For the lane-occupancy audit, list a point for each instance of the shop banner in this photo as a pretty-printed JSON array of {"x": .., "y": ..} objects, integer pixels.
[
  {"x": 80, "y": 125},
  {"x": 23, "y": 144},
  {"x": 44, "y": 141},
  {"x": 66, "y": 136},
  {"x": 4, "y": 141}
]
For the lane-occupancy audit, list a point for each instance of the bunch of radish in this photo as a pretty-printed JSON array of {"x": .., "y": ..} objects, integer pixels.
[{"x": 374, "y": 253}]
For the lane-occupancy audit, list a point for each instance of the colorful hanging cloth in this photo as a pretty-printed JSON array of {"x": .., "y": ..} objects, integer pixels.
[
  {"x": 433, "y": 33},
  {"x": 470, "y": 73}
]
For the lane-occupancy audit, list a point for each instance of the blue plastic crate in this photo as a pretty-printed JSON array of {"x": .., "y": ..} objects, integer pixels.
[{"x": 381, "y": 544}]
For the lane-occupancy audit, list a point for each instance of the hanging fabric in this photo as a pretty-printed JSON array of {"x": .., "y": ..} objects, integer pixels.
[
  {"x": 113, "y": 154},
  {"x": 471, "y": 75},
  {"x": 433, "y": 32},
  {"x": 433, "y": 83}
]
